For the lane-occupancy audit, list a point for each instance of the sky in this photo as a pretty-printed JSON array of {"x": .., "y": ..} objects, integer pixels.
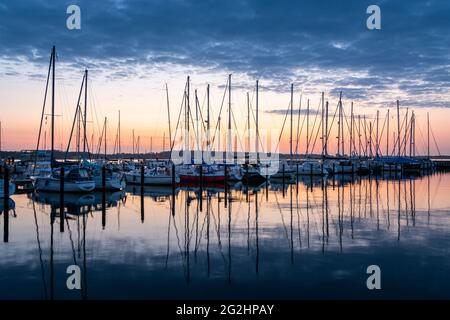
[{"x": 133, "y": 48}]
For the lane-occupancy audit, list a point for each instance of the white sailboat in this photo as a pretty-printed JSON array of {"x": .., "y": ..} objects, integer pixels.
[
  {"x": 75, "y": 180},
  {"x": 152, "y": 176}
]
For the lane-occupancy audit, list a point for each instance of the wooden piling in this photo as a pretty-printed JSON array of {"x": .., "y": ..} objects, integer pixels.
[
  {"x": 61, "y": 199},
  {"x": 142, "y": 193},
  {"x": 6, "y": 205},
  {"x": 103, "y": 196}
]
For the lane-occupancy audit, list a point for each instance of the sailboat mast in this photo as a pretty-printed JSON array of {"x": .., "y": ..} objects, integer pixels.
[
  {"x": 342, "y": 124},
  {"x": 229, "y": 115},
  {"x": 406, "y": 131},
  {"x": 168, "y": 117},
  {"x": 351, "y": 129},
  {"x": 387, "y": 135},
  {"x": 428, "y": 135},
  {"x": 326, "y": 129},
  {"x": 197, "y": 133},
  {"x": 359, "y": 135},
  {"x": 248, "y": 123},
  {"x": 257, "y": 125},
  {"x": 85, "y": 110},
  {"x": 52, "y": 155},
  {"x": 307, "y": 127},
  {"x": 398, "y": 127},
  {"x": 376, "y": 142},
  {"x": 322, "y": 123},
  {"x": 208, "y": 126},
  {"x": 339, "y": 127},
  {"x": 411, "y": 129},
  {"x": 186, "y": 115},
  {"x": 106, "y": 119},
  {"x": 118, "y": 143},
  {"x": 292, "y": 108}
]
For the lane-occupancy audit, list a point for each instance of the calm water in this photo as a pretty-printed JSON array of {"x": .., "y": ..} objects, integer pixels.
[{"x": 306, "y": 241}]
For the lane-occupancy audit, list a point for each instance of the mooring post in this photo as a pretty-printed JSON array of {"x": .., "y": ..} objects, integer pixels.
[
  {"x": 226, "y": 186},
  {"x": 61, "y": 199},
  {"x": 6, "y": 205},
  {"x": 103, "y": 196},
  {"x": 142, "y": 193},
  {"x": 173, "y": 189},
  {"x": 201, "y": 187},
  {"x": 6, "y": 188}
]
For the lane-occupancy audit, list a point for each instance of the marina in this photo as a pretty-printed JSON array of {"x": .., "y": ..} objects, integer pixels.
[{"x": 234, "y": 158}]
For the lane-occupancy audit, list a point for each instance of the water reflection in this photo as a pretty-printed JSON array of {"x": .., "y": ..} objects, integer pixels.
[{"x": 274, "y": 240}]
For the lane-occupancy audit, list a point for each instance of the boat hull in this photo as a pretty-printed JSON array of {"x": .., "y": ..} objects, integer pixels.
[
  {"x": 204, "y": 178},
  {"x": 53, "y": 185},
  {"x": 135, "y": 179}
]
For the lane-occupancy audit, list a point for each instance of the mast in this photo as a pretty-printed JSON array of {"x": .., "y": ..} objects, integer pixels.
[
  {"x": 411, "y": 138},
  {"x": 322, "y": 123},
  {"x": 365, "y": 136},
  {"x": 85, "y": 110},
  {"x": 197, "y": 133},
  {"x": 428, "y": 135},
  {"x": 168, "y": 116},
  {"x": 248, "y": 123},
  {"x": 307, "y": 127},
  {"x": 52, "y": 155},
  {"x": 105, "y": 135},
  {"x": 339, "y": 124},
  {"x": 376, "y": 142},
  {"x": 326, "y": 129},
  {"x": 370, "y": 139},
  {"x": 118, "y": 134},
  {"x": 186, "y": 115},
  {"x": 387, "y": 135},
  {"x": 398, "y": 127},
  {"x": 351, "y": 129},
  {"x": 207, "y": 117},
  {"x": 406, "y": 131},
  {"x": 342, "y": 124},
  {"x": 292, "y": 106},
  {"x": 257, "y": 126},
  {"x": 0, "y": 137},
  {"x": 229, "y": 115},
  {"x": 359, "y": 135}
]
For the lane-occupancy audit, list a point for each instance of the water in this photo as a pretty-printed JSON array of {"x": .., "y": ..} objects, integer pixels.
[{"x": 304, "y": 241}]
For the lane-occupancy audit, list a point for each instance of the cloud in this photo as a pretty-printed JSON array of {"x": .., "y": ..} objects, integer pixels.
[{"x": 309, "y": 43}]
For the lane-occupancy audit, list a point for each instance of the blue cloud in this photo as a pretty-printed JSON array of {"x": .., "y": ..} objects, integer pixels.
[{"x": 265, "y": 39}]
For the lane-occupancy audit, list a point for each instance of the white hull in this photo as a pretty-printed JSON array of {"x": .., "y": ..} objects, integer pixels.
[
  {"x": 135, "y": 178},
  {"x": 309, "y": 168},
  {"x": 53, "y": 185},
  {"x": 112, "y": 183}
]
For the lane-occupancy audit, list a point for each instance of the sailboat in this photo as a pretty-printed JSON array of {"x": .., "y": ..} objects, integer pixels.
[
  {"x": 76, "y": 179},
  {"x": 252, "y": 172},
  {"x": 115, "y": 179},
  {"x": 202, "y": 173},
  {"x": 160, "y": 175}
]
